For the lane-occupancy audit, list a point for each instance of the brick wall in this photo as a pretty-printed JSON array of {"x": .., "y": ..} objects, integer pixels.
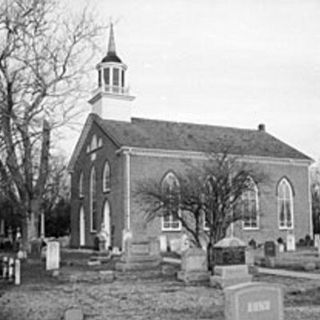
[
  {"x": 144, "y": 167},
  {"x": 84, "y": 164}
]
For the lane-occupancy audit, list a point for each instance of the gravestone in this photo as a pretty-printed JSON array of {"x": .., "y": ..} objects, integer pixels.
[
  {"x": 175, "y": 245},
  {"x": 53, "y": 255},
  {"x": 291, "y": 242},
  {"x": 73, "y": 313},
  {"x": 253, "y": 301},
  {"x": 269, "y": 249},
  {"x": 317, "y": 240},
  {"x": 35, "y": 249},
  {"x": 194, "y": 266},
  {"x": 163, "y": 243},
  {"x": 139, "y": 254},
  {"x": 185, "y": 243},
  {"x": 230, "y": 264}
]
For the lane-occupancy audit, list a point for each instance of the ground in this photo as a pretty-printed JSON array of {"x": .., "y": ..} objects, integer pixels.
[{"x": 134, "y": 296}]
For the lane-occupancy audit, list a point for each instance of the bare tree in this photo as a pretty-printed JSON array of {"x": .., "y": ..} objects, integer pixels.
[
  {"x": 208, "y": 198},
  {"x": 43, "y": 55}
]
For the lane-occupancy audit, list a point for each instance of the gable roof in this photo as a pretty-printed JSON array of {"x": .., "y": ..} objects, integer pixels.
[{"x": 165, "y": 135}]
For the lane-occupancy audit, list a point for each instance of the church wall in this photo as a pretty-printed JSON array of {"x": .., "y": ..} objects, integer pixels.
[
  {"x": 84, "y": 164},
  {"x": 144, "y": 167}
]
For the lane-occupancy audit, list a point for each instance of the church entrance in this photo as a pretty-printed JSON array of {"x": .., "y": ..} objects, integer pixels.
[
  {"x": 106, "y": 223},
  {"x": 82, "y": 228}
]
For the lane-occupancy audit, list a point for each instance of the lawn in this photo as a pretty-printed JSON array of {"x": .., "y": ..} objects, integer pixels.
[{"x": 132, "y": 296}]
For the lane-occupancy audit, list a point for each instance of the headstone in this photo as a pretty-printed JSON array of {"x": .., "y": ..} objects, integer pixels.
[
  {"x": 281, "y": 247},
  {"x": 317, "y": 240},
  {"x": 154, "y": 246},
  {"x": 270, "y": 249},
  {"x": 11, "y": 268},
  {"x": 2, "y": 226},
  {"x": 249, "y": 256},
  {"x": 35, "y": 252},
  {"x": 139, "y": 254},
  {"x": 291, "y": 242},
  {"x": 17, "y": 272},
  {"x": 4, "y": 267},
  {"x": 185, "y": 243},
  {"x": 74, "y": 313},
  {"x": 10, "y": 236},
  {"x": 163, "y": 243},
  {"x": 194, "y": 266},
  {"x": 254, "y": 301},
  {"x": 230, "y": 263},
  {"x": 175, "y": 245},
  {"x": 53, "y": 255}
]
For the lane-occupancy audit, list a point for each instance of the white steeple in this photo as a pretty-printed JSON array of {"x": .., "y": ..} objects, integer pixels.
[{"x": 111, "y": 100}]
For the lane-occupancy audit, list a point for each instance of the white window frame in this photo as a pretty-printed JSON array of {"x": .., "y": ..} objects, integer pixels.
[
  {"x": 289, "y": 198},
  {"x": 80, "y": 186},
  {"x": 248, "y": 193},
  {"x": 163, "y": 222},
  {"x": 105, "y": 167},
  {"x": 92, "y": 173}
]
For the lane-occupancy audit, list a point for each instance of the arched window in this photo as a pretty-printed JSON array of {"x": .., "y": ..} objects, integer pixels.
[
  {"x": 81, "y": 193},
  {"x": 285, "y": 204},
  {"x": 209, "y": 201},
  {"x": 106, "y": 182},
  {"x": 93, "y": 200},
  {"x": 94, "y": 143},
  {"x": 171, "y": 189},
  {"x": 250, "y": 206}
]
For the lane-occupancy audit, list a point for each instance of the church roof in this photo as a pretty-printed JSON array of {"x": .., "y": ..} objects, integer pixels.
[{"x": 156, "y": 134}]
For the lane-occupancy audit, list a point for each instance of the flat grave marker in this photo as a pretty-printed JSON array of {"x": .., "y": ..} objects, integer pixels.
[{"x": 254, "y": 301}]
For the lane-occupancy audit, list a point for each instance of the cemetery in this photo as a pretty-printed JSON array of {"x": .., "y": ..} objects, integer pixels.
[{"x": 146, "y": 282}]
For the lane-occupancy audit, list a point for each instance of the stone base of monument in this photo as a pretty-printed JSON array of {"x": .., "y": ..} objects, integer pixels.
[
  {"x": 139, "y": 254},
  {"x": 191, "y": 277},
  {"x": 194, "y": 267},
  {"x": 101, "y": 257},
  {"x": 225, "y": 276}
]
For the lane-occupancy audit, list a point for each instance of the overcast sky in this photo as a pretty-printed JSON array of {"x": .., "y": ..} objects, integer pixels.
[{"x": 223, "y": 62}]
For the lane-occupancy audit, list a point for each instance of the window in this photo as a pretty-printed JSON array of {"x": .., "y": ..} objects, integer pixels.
[
  {"x": 81, "y": 194},
  {"x": 210, "y": 201},
  {"x": 285, "y": 205},
  {"x": 116, "y": 77},
  {"x": 106, "y": 75},
  {"x": 106, "y": 177},
  {"x": 171, "y": 189},
  {"x": 94, "y": 143},
  {"x": 93, "y": 200},
  {"x": 250, "y": 206},
  {"x": 122, "y": 78},
  {"x": 99, "y": 78}
]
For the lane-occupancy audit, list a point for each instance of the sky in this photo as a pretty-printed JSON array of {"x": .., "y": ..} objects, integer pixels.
[{"x": 235, "y": 63}]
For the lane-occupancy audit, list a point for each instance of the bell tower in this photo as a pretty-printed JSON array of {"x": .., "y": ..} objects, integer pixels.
[{"x": 111, "y": 99}]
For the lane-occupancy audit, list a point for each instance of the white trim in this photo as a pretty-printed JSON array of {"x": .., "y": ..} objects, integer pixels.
[
  {"x": 204, "y": 155},
  {"x": 310, "y": 205},
  {"x": 128, "y": 187},
  {"x": 106, "y": 165},
  {"x": 93, "y": 170},
  {"x": 291, "y": 205},
  {"x": 256, "y": 194},
  {"x": 170, "y": 229},
  {"x": 82, "y": 228},
  {"x": 80, "y": 185}
]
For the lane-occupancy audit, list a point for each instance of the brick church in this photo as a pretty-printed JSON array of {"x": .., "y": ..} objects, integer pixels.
[{"x": 115, "y": 152}]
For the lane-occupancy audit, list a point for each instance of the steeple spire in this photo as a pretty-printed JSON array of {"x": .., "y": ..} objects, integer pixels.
[{"x": 112, "y": 44}]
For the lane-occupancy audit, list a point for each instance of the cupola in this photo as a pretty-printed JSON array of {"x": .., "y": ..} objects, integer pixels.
[{"x": 111, "y": 99}]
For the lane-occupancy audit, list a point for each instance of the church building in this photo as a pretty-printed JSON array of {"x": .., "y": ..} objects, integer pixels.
[{"x": 115, "y": 152}]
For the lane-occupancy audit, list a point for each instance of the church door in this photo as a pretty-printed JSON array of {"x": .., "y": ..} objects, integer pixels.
[
  {"x": 82, "y": 228},
  {"x": 106, "y": 223}
]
